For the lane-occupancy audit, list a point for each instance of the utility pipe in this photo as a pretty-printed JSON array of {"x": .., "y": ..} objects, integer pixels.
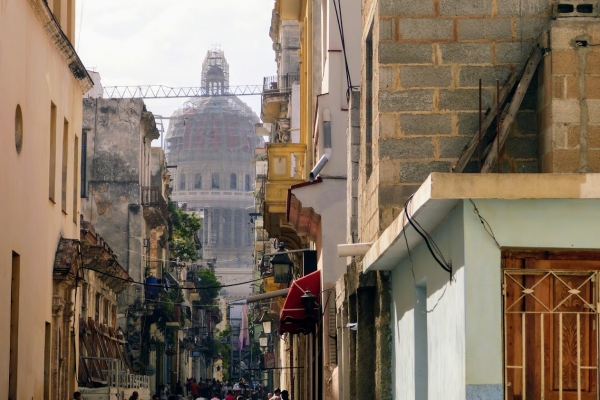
[{"x": 326, "y": 144}]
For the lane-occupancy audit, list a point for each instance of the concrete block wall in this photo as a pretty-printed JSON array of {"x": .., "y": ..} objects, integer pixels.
[
  {"x": 428, "y": 58},
  {"x": 569, "y": 113}
]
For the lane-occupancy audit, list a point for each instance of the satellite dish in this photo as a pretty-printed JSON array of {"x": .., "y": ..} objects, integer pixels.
[{"x": 150, "y": 370}]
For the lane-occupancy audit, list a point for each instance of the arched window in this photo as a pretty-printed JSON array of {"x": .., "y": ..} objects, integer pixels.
[
  {"x": 182, "y": 182},
  {"x": 233, "y": 182},
  {"x": 215, "y": 180},
  {"x": 247, "y": 183},
  {"x": 198, "y": 181}
]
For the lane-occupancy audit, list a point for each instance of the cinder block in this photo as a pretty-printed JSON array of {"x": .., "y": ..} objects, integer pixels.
[
  {"x": 469, "y": 75},
  {"x": 426, "y": 124},
  {"x": 386, "y": 29},
  {"x": 426, "y": 28},
  {"x": 466, "y": 53},
  {"x": 565, "y": 111},
  {"x": 565, "y": 62},
  {"x": 558, "y": 91},
  {"x": 513, "y": 52},
  {"x": 405, "y": 53},
  {"x": 520, "y": 7},
  {"x": 522, "y": 146},
  {"x": 417, "y": 172},
  {"x": 573, "y": 136},
  {"x": 572, "y": 82},
  {"x": 406, "y": 7},
  {"x": 531, "y": 28},
  {"x": 527, "y": 122},
  {"x": 406, "y": 148},
  {"x": 386, "y": 77},
  {"x": 485, "y": 28},
  {"x": 425, "y": 76},
  {"x": 565, "y": 160},
  {"x": 390, "y": 195},
  {"x": 593, "y": 137},
  {"x": 452, "y": 146},
  {"x": 465, "y": 7},
  {"x": 592, "y": 63},
  {"x": 387, "y": 125},
  {"x": 463, "y": 99},
  {"x": 355, "y": 135},
  {"x": 593, "y": 111},
  {"x": 468, "y": 123},
  {"x": 593, "y": 160},
  {"x": 592, "y": 87},
  {"x": 406, "y": 100},
  {"x": 388, "y": 171}
]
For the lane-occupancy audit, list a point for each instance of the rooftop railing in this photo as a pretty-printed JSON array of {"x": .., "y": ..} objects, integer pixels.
[{"x": 280, "y": 83}]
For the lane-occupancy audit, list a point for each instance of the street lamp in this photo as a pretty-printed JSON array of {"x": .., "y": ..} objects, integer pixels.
[
  {"x": 266, "y": 323},
  {"x": 263, "y": 341},
  {"x": 282, "y": 265},
  {"x": 308, "y": 302}
]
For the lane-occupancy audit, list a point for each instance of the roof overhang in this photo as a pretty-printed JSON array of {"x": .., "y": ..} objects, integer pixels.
[{"x": 441, "y": 192}]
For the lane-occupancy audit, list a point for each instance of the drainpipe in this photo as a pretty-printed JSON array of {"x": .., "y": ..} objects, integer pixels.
[{"x": 327, "y": 145}]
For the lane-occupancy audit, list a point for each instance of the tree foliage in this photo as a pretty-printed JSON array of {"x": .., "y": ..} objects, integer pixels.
[
  {"x": 208, "y": 280},
  {"x": 184, "y": 226}
]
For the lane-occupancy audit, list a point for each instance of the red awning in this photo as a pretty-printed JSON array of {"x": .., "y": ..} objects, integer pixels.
[{"x": 294, "y": 318}]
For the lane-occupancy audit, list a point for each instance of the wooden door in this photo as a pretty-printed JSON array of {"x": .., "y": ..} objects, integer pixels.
[{"x": 550, "y": 325}]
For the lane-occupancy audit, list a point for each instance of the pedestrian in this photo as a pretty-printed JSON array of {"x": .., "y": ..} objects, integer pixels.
[
  {"x": 178, "y": 387},
  {"x": 156, "y": 397},
  {"x": 214, "y": 396},
  {"x": 285, "y": 395},
  {"x": 276, "y": 394},
  {"x": 77, "y": 396},
  {"x": 269, "y": 396},
  {"x": 134, "y": 396},
  {"x": 195, "y": 389},
  {"x": 229, "y": 395}
]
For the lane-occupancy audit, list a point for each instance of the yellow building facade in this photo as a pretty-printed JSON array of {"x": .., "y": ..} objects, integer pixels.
[{"x": 42, "y": 81}]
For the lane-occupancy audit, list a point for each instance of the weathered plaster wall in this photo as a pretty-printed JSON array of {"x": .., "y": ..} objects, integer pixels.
[{"x": 32, "y": 74}]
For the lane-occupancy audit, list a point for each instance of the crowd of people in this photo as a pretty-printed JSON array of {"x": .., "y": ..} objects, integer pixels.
[{"x": 211, "y": 389}]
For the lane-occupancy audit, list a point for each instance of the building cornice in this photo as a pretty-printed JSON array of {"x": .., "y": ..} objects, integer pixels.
[{"x": 62, "y": 43}]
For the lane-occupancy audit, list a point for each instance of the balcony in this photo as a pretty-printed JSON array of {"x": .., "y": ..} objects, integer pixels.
[
  {"x": 286, "y": 168},
  {"x": 155, "y": 206},
  {"x": 276, "y": 96}
]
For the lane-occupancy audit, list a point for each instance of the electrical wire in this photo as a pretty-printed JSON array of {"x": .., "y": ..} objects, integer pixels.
[
  {"x": 486, "y": 226},
  {"x": 437, "y": 254},
  {"x": 340, "y": 23},
  {"x": 412, "y": 269}
]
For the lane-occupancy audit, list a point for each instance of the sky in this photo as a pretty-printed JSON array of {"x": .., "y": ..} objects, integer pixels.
[{"x": 151, "y": 42}]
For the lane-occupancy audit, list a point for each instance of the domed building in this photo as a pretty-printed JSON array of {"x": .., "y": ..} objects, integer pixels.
[{"x": 211, "y": 140}]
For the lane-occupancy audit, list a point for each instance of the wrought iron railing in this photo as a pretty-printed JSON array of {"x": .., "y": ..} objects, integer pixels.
[
  {"x": 152, "y": 197},
  {"x": 117, "y": 376},
  {"x": 280, "y": 83}
]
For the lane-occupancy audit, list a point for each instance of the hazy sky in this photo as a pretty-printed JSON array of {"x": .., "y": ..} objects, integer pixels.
[{"x": 151, "y": 42}]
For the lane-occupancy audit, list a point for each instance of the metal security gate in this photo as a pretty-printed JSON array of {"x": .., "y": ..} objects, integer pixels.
[{"x": 550, "y": 330}]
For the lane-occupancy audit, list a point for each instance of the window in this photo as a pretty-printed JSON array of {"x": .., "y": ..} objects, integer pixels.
[
  {"x": 15, "y": 284},
  {"x": 182, "y": 182},
  {"x": 105, "y": 311},
  {"x": 215, "y": 180},
  {"x": 198, "y": 181},
  {"x": 83, "y": 163},
  {"x": 247, "y": 183},
  {"x": 369, "y": 102},
  {"x": 233, "y": 182},
  {"x": 65, "y": 163},
  {"x": 75, "y": 177},
  {"x": 97, "y": 314},
  {"x": 52, "y": 166},
  {"x": 18, "y": 129}
]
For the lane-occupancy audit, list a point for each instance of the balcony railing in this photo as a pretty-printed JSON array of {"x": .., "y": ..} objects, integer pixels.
[
  {"x": 279, "y": 84},
  {"x": 152, "y": 197},
  {"x": 116, "y": 375}
]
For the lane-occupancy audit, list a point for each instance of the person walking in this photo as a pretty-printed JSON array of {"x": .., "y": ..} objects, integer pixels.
[{"x": 276, "y": 394}]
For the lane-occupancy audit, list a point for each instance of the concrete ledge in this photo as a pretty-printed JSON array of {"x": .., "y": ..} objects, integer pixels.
[{"x": 441, "y": 192}]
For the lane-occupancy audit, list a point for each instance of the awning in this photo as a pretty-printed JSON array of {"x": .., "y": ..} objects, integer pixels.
[{"x": 294, "y": 318}]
